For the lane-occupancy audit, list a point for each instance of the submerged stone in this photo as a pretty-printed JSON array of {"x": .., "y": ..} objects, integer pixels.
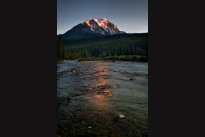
[{"x": 121, "y": 116}]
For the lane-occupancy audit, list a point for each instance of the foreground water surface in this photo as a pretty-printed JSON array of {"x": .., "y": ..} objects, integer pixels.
[{"x": 102, "y": 99}]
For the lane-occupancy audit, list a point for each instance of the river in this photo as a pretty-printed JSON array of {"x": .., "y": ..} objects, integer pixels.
[{"x": 102, "y": 99}]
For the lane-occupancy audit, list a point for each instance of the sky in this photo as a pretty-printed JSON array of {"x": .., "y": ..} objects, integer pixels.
[{"x": 130, "y": 16}]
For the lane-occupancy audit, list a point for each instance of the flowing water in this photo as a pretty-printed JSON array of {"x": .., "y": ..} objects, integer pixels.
[{"x": 102, "y": 99}]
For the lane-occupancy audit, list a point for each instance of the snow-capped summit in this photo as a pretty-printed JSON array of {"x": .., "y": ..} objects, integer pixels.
[
  {"x": 91, "y": 28},
  {"x": 102, "y": 26}
]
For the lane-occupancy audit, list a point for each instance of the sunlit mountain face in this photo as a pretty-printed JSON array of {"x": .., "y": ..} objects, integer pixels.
[
  {"x": 91, "y": 28},
  {"x": 102, "y": 26}
]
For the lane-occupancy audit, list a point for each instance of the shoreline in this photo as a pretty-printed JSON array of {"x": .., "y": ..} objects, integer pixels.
[{"x": 101, "y": 60}]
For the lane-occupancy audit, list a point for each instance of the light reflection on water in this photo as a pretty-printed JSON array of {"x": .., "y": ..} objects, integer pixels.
[{"x": 99, "y": 99}]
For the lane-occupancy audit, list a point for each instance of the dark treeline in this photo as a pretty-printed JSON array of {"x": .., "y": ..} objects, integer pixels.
[
  {"x": 104, "y": 37},
  {"x": 119, "y": 47},
  {"x": 60, "y": 50}
]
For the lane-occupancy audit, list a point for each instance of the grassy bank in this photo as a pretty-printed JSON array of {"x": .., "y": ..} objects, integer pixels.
[{"x": 113, "y": 58}]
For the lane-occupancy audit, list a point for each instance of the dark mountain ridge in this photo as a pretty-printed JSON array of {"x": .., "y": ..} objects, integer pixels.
[{"x": 91, "y": 28}]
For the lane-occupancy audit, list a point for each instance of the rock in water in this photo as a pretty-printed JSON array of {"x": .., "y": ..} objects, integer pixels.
[
  {"x": 131, "y": 78},
  {"x": 68, "y": 99},
  {"x": 121, "y": 116}
]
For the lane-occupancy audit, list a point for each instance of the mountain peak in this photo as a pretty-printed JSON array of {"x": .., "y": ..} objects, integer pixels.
[
  {"x": 103, "y": 26},
  {"x": 91, "y": 28}
]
